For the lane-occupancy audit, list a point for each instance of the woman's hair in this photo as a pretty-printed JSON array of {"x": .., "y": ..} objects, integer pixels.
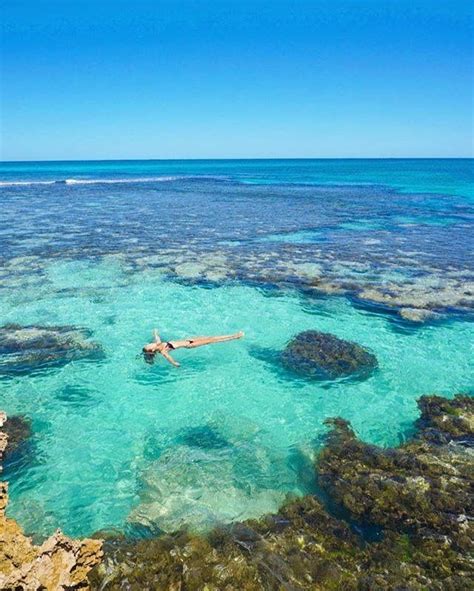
[{"x": 148, "y": 355}]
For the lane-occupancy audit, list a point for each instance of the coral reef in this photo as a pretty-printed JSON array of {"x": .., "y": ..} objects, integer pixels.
[
  {"x": 322, "y": 355},
  {"x": 28, "y": 348},
  {"x": 59, "y": 564},
  {"x": 418, "y": 493},
  {"x": 356, "y": 240}
]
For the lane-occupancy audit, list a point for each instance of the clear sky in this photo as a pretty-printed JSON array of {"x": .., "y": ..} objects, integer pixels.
[{"x": 196, "y": 79}]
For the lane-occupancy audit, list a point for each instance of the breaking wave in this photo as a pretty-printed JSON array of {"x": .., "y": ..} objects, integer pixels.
[{"x": 72, "y": 181}]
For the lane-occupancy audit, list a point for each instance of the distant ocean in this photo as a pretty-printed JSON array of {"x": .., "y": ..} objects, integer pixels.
[
  {"x": 374, "y": 251},
  {"x": 451, "y": 176}
]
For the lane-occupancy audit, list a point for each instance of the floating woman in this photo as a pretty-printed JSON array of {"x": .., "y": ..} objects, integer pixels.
[{"x": 164, "y": 348}]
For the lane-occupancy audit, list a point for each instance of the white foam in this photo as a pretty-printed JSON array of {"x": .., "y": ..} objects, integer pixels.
[
  {"x": 73, "y": 181},
  {"x": 24, "y": 183},
  {"x": 118, "y": 181},
  {"x": 91, "y": 181}
]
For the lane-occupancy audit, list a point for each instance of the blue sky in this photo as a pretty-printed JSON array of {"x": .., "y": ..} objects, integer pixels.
[{"x": 198, "y": 79}]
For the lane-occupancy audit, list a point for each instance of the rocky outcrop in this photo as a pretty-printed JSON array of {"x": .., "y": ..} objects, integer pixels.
[
  {"x": 418, "y": 497},
  {"x": 415, "y": 496},
  {"x": 59, "y": 564},
  {"x": 446, "y": 421},
  {"x": 325, "y": 356},
  {"x": 24, "y": 349}
]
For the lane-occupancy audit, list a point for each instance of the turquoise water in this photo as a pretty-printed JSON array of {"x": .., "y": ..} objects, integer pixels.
[{"x": 121, "y": 444}]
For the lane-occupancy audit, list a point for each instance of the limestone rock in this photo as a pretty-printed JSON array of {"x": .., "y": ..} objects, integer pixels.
[
  {"x": 417, "y": 314},
  {"x": 199, "y": 486}
]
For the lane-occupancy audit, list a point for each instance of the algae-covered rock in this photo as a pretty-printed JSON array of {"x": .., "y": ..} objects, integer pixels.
[
  {"x": 325, "y": 356},
  {"x": 301, "y": 547},
  {"x": 59, "y": 564},
  {"x": 443, "y": 420},
  {"x": 423, "y": 488},
  {"x": 24, "y": 349}
]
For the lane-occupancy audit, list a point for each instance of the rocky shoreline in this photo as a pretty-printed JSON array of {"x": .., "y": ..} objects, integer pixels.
[
  {"x": 417, "y": 498},
  {"x": 58, "y": 564}
]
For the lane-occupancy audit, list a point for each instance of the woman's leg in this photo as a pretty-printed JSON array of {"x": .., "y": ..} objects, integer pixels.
[{"x": 201, "y": 341}]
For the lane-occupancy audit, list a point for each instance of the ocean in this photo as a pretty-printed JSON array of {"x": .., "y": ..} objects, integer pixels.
[{"x": 378, "y": 252}]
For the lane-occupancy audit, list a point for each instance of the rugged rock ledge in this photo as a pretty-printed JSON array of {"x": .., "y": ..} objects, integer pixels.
[
  {"x": 59, "y": 564},
  {"x": 419, "y": 496}
]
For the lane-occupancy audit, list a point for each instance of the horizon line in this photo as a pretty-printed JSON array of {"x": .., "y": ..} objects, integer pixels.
[{"x": 227, "y": 159}]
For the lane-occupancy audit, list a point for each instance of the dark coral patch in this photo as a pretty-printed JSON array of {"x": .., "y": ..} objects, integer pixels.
[
  {"x": 423, "y": 488},
  {"x": 325, "y": 356}
]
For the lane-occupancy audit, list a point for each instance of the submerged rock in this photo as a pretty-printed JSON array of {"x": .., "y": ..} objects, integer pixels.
[
  {"x": 203, "y": 436},
  {"x": 417, "y": 314},
  {"x": 28, "y": 348},
  {"x": 325, "y": 356},
  {"x": 301, "y": 547},
  {"x": 444, "y": 421},
  {"x": 196, "y": 487},
  {"x": 18, "y": 431},
  {"x": 59, "y": 564}
]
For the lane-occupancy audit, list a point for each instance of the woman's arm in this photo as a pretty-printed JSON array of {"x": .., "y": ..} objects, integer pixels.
[
  {"x": 156, "y": 336},
  {"x": 168, "y": 357}
]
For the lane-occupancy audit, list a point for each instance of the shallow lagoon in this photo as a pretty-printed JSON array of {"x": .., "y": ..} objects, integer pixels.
[
  {"x": 99, "y": 425},
  {"x": 230, "y": 428}
]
